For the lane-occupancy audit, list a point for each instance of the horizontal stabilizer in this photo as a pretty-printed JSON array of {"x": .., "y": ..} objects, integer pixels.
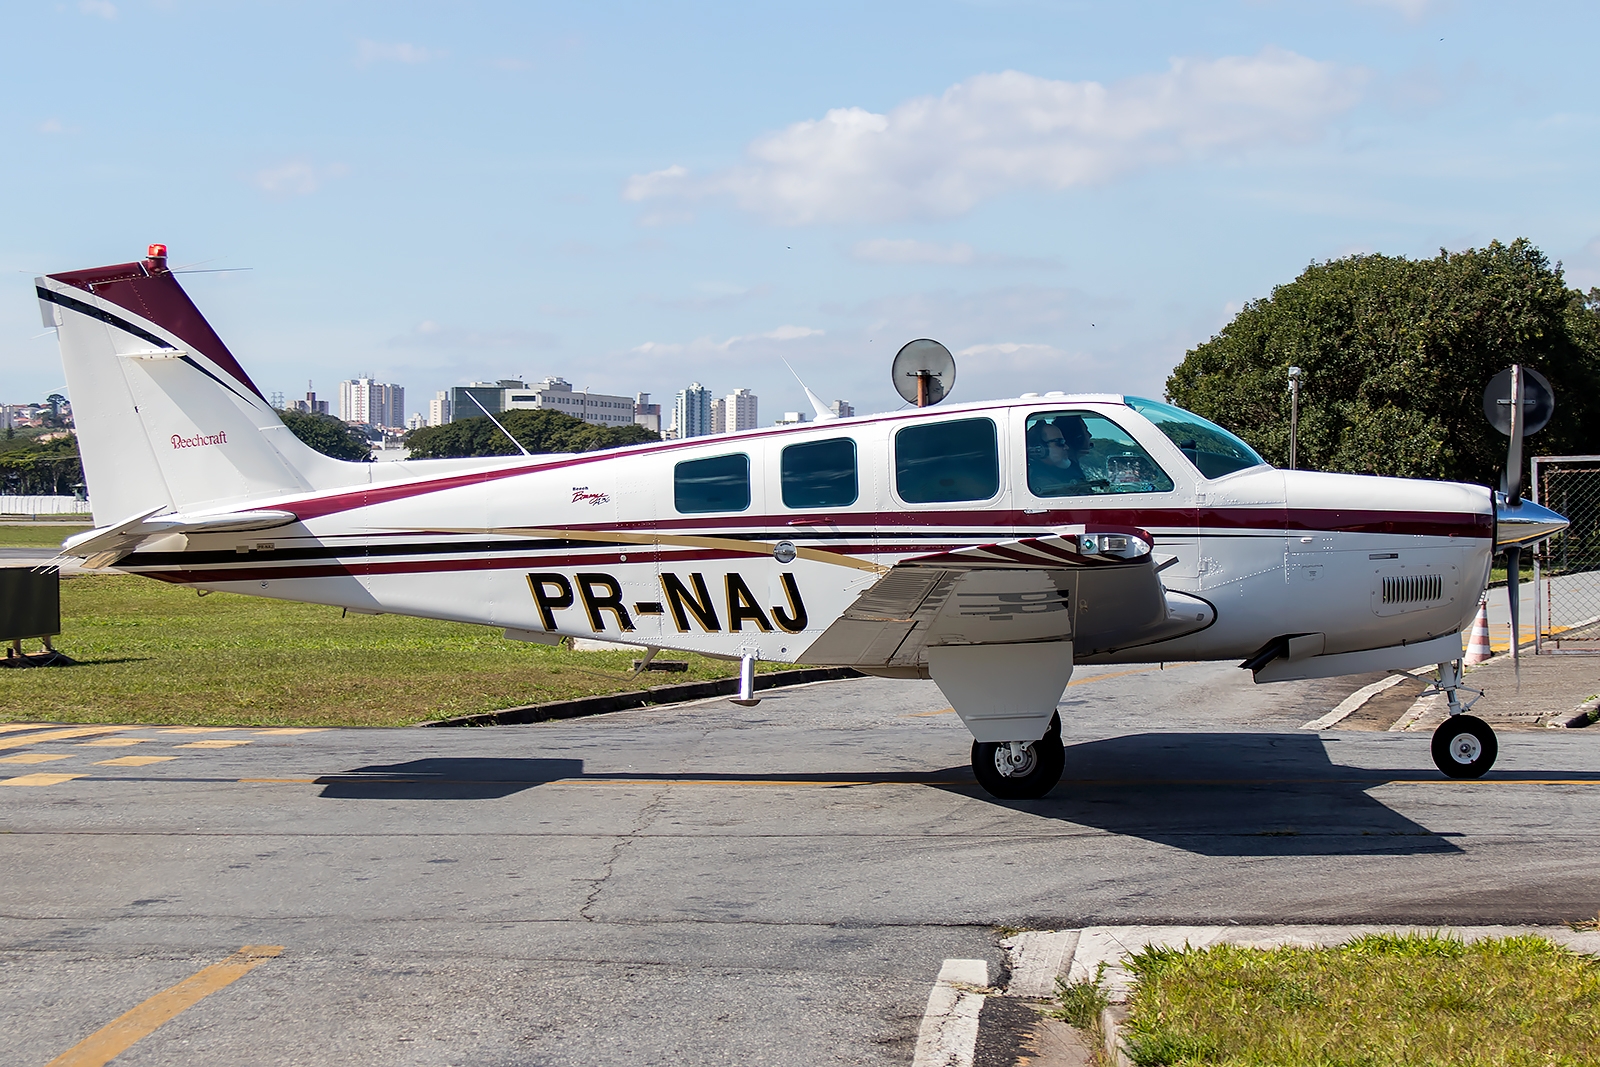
[{"x": 106, "y": 545}]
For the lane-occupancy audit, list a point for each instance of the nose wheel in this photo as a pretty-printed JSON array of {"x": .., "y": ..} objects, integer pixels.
[
  {"x": 1464, "y": 746},
  {"x": 1020, "y": 770}
]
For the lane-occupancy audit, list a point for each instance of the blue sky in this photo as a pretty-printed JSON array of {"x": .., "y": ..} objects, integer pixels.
[{"x": 1069, "y": 195}]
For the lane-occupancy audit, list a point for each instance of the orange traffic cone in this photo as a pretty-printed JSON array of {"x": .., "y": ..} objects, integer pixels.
[{"x": 1478, "y": 648}]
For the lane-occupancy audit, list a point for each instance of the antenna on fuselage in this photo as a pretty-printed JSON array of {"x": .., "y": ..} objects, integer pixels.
[
  {"x": 824, "y": 412},
  {"x": 496, "y": 422},
  {"x": 924, "y": 372}
]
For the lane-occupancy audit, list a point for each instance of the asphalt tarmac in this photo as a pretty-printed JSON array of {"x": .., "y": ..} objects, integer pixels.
[{"x": 711, "y": 884}]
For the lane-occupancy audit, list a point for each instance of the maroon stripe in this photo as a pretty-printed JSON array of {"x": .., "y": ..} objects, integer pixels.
[{"x": 158, "y": 298}]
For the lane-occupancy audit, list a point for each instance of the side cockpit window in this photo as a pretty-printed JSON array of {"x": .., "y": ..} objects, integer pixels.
[
  {"x": 1079, "y": 453},
  {"x": 820, "y": 474},
  {"x": 943, "y": 462},
  {"x": 721, "y": 483}
]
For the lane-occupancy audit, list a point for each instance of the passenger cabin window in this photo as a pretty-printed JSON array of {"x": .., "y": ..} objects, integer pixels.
[
  {"x": 1078, "y": 453},
  {"x": 721, "y": 483},
  {"x": 1213, "y": 450},
  {"x": 820, "y": 474},
  {"x": 943, "y": 462}
]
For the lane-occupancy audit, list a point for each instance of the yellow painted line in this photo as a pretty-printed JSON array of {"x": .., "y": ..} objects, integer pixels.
[
  {"x": 35, "y": 757},
  {"x": 13, "y": 727},
  {"x": 132, "y": 761},
  {"x": 198, "y": 729},
  {"x": 113, "y": 742},
  {"x": 40, "y": 779},
  {"x": 926, "y": 714},
  {"x": 215, "y": 744},
  {"x": 290, "y": 731},
  {"x": 60, "y": 735},
  {"x": 123, "y": 1032}
]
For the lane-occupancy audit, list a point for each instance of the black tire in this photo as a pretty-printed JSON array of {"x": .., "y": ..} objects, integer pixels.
[
  {"x": 1464, "y": 746},
  {"x": 1049, "y": 758}
]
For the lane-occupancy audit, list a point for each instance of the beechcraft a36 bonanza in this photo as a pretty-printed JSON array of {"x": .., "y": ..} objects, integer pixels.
[{"x": 988, "y": 546}]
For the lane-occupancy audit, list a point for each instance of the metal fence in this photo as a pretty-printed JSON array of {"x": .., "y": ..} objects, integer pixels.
[
  {"x": 34, "y": 506},
  {"x": 1566, "y": 568}
]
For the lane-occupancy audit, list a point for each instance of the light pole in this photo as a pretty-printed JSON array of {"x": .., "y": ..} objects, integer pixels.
[{"x": 1294, "y": 414}]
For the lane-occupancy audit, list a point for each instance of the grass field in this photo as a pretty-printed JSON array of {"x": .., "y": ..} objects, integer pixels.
[
  {"x": 36, "y": 534},
  {"x": 155, "y": 653},
  {"x": 1379, "y": 1000}
]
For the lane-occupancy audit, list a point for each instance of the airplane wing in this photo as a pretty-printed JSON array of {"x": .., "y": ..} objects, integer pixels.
[{"x": 1096, "y": 587}]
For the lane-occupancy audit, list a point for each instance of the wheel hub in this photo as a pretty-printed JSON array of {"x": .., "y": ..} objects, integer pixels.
[
  {"x": 1465, "y": 748},
  {"x": 1016, "y": 759}
]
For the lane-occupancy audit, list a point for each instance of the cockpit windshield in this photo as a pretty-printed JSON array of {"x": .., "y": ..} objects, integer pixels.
[{"x": 1213, "y": 450}]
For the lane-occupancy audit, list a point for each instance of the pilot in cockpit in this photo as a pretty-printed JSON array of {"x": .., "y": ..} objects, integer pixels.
[{"x": 1055, "y": 450}]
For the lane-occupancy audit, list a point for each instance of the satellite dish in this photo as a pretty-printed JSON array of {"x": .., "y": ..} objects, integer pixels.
[
  {"x": 1538, "y": 401},
  {"x": 924, "y": 372}
]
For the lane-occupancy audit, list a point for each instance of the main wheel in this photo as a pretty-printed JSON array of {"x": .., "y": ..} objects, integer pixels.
[
  {"x": 1005, "y": 777},
  {"x": 1464, "y": 747}
]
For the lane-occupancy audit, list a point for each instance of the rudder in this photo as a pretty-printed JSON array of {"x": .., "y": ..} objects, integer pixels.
[{"x": 165, "y": 415}]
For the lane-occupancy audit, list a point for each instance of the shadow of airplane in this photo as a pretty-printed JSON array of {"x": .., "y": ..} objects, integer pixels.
[
  {"x": 1214, "y": 794},
  {"x": 1234, "y": 794}
]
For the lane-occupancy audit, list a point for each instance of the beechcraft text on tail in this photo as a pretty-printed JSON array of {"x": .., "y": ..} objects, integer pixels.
[{"x": 988, "y": 546}]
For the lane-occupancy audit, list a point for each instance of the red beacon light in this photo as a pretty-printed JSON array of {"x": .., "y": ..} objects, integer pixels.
[{"x": 157, "y": 257}]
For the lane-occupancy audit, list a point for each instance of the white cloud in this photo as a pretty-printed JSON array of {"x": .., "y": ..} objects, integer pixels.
[
  {"x": 297, "y": 177},
  {"x": 996, "y": 133},
  {"x": 103, "y": 8},
  {"x": 1410, "y": 10},
  {"x": 51, "y": 126},
  {"x": 369, "y": 52},
  {"x": 706, "y": 346},
  {"x": 907, "y": 250}
]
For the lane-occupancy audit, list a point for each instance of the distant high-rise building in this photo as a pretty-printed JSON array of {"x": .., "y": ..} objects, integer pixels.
[
  {"x": 793, "y": 418},
  {"x": 740, "y": 411},
  {"x": 366, "y": 402},
  {"x": 842, "y": 408},
  {"x": 311, "y": 405},
  {"x": 692, "y": 413},
  {"x": 439, "y": 409},
  {"x": 557, "y": 394},
  {"x": 471, "y": 401},
  {"x": 646, "y": 414},
  {"x": 719, "y": 417}
]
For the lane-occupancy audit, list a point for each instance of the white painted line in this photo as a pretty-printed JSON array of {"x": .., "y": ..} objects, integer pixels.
[
  {"x": 949, "y": 1033},
  {"x": 1037, "y": 958},
  {"x": 1424, "y": 704},
  {"x": 1350, "y": 704}
]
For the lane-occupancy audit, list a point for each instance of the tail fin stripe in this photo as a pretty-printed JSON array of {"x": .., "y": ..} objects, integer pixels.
[
  {"x": 104, "y": 316},
  {"x": 122, "y": 324}
]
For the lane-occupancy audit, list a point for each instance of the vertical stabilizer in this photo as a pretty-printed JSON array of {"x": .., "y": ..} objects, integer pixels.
[{"x": 165, "y": 415}]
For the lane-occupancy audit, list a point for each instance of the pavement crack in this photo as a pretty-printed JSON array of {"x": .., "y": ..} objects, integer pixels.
[{"x": 619, "y": 845}]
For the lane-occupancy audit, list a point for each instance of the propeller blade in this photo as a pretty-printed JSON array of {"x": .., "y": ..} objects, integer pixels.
[
  {"x": 1514, "y": 447},
  {"x": 1514, "y": 591}
]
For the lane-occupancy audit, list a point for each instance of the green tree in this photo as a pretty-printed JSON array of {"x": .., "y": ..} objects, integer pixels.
[
  {"x": 328, "y": 435},
  {"x": 540, "y": 431},
  {"x": 32, "y": 467},
  {"x": 1395, "y": 354}
]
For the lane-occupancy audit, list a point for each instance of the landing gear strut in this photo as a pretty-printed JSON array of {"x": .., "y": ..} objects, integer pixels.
[
  {"x": 1020, "y": 770},
  {"x": 1464, "y": 746}
]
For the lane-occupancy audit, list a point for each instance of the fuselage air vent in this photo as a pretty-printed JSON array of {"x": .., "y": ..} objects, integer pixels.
[{"x": 1412, "y": 588}]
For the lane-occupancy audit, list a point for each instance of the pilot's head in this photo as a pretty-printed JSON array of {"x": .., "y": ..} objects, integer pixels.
[{"x": 1074, "y": 434}]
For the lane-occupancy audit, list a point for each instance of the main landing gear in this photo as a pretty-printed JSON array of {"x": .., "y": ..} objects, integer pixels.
[
  {"x": 1020, "y": 770},
  {"x": 1464, "y": 745}
]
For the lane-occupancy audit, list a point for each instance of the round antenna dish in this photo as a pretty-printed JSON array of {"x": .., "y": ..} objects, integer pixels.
[
  {"x": 924, "y": 372},
  {"x": 1538, "y": 401}
]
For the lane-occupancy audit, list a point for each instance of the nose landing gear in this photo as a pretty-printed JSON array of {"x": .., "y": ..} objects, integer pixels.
[
  {"x": 1464, "y": 746},
  {"x": 1020, "y": 770}
]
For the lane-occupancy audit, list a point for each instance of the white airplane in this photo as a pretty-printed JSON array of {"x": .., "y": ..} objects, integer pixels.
[{"x": 989, "y": 546}]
